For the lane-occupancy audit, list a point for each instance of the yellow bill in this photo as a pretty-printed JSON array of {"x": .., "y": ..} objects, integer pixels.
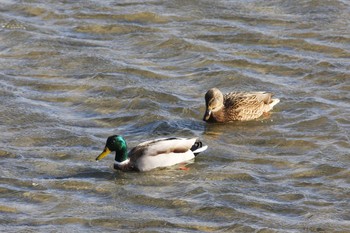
[{"x": 104, "y": 153}]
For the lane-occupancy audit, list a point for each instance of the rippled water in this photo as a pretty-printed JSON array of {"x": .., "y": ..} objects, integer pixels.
[{"x": 74, "y": 72}]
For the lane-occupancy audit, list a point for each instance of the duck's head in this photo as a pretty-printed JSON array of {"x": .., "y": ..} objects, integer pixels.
[
  {"x": 115, "y": 143},
  {"x": 214, "y": 101}
]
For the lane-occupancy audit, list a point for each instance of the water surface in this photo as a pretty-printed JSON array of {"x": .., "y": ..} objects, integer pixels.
[{"x": 74, "y": 72}]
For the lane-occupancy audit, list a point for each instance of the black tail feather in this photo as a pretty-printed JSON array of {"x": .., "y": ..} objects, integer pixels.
[{"x": 196, "y": 145}]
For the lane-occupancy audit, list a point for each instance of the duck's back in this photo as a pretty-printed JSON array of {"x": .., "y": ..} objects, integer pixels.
[
  {"x": 244, "y": 106},
  {"x": 162, "y": 152}
]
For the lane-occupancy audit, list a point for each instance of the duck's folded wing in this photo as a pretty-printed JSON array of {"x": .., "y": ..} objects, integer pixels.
[
  {"x": 163, "y": 146},
  {"x": 262, "y": 97},
  {"x": 238, "y": 99}
]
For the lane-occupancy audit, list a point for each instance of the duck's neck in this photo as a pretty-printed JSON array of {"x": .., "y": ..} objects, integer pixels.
[
  {"x": 218, "y": 116},
  {"x": 121, "y": 154},
  {"x": 126, "y": 165}
]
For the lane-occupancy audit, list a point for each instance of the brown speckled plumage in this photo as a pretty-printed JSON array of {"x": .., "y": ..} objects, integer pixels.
[{"x": 236, "y": 106}]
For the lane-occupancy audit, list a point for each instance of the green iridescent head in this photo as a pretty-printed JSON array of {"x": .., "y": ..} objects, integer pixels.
[{"x": 118, "y": 144}]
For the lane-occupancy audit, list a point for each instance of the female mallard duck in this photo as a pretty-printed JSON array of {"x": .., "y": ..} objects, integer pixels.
[
  {"x": 236, "y": 106},
  {"x": 148, "y": 155}
]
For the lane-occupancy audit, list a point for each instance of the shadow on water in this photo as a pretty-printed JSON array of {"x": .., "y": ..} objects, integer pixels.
[
  {"x": 87, "y": 173},
  {"x": 178, "y": 127}
]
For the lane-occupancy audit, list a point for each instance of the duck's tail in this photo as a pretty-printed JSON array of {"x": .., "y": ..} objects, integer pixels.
[
  {"x": 274, "y": 102},
  {"x": 198, "y": 147}
]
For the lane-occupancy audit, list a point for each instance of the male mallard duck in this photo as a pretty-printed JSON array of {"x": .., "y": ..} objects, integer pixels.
[
  {"x": 148, "y": 155},
  {"x": 236, "y": 106}
]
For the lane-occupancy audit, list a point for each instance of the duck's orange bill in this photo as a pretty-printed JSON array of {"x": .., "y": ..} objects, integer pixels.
[{"x": 104, "y": 153}]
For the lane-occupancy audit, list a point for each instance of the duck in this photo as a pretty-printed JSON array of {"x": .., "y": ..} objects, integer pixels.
[
  {"x": 237, "y": 106},
  {"x": 157, "y": 153}
]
